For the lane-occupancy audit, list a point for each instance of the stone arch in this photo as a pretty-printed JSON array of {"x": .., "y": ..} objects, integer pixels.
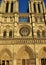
[
  {"x": 42, "y": 55},
  {"x": 5, "y": 54},
  {"x": 25, "y": 55},
  {"x": 42, "y": 52},
  {"x": 25, "y": 52}
]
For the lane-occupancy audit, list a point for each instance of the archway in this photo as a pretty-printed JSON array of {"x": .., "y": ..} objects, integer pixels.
[
  {"x": 25, "y": 56},
  {"x": 6, "y": 57},
  {"x": 42, "y": 56}
]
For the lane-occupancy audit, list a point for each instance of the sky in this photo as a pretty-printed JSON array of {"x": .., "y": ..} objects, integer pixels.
[{"x": 23, "y": 5}]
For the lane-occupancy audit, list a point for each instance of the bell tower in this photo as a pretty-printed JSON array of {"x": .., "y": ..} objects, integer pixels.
[
  {"x": 9, "y": 6},
  {"x": 36, "y": 6},
  {"x": 22, "y": 35},
  {"x": 36, "y": 9}
]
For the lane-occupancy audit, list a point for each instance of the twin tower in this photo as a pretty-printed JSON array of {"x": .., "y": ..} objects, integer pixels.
[
  {"x": 12, "y": 6},
  {"x": 32, "y": 22},
  {"x": 22, "y": 35}
]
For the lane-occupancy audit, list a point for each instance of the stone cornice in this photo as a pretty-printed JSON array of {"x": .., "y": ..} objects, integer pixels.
[{"x": 13, "y": 41}]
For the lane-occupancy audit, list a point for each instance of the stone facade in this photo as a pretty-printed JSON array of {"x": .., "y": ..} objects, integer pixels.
[{"x": 22, "y": 35}]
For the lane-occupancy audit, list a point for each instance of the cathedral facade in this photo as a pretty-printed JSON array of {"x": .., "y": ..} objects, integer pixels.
[{"x": 22, "y": 35}]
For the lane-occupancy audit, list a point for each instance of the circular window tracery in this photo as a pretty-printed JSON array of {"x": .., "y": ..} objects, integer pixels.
[{"x": 24, "y": 31}]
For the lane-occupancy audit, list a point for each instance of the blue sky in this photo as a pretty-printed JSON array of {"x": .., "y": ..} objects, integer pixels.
[{"x": 23, "y": 5}]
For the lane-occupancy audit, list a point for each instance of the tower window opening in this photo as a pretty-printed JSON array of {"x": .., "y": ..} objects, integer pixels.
[
  {"x": 7, "y": 5},
  {"x": 39, "y": 7},
  {"x": 10, "y": 34},
  {"x": 4, "y": 34},
  {"x": 5, "y": 62},
  {"x": 34, "y": 7},
  {"x": 12, "y": 7},
  {"x": 38, "y": 33}
]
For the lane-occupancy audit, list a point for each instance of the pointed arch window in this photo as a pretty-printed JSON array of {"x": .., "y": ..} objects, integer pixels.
[
  {"x": 38, "y": 33},
  {"x": 12, "y": 7},
  {"x": 7, "y": 5},
  {"x": 43, "y": 61},
  {"x": 34, "y": 7},
  {"x": 4, "y": 62},
  {"x": 7, "y": 62},
  {"x": 10, "y": 34},
  {"x": 4, "y": 34},
  {"x": 43, "y": 33},
  {"x": 39, "y": 7}
]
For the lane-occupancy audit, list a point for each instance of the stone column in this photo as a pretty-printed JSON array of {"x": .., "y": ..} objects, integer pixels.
[
  {"x": 15, "y": 62},
  {"x": 30, "y": 19},
  {"x": 37, "y": 61},
  {"x": 41, "y": 8},
  {"x": 32, "y": 7},
  {"x": 29, "y": 7},
  {"x": 4, "y": 7},
  {"x": 8, "y": 34},
  {"x": 9, "y": 10},
  {"x": 5, "y": 63},
  {"x": 36, "y": 8},
  {"x": 14, "y": 7}
]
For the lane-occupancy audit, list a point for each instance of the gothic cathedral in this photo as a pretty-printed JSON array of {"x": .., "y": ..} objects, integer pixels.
[{"x": 22, "y": 35}]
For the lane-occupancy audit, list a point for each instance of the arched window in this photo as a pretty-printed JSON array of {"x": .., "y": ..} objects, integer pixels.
[
  {"x": 7, "y": 5},
  {"x": 43, "y": 33},
  {"x": 39, "y": 7},
  {"x": 38, "y": 33},
  {"x": 10, "y": 34},
  {"x": 43, "y": 61},
  {"x": 34, "y": 7},
  {"x": 4, "y": 34},
  {"x": 12, "y": 7},
  {"x": 4, "y": 62}
]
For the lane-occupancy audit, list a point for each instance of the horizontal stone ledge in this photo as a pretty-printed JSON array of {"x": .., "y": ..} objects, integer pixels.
[
  {"x": 22, "y": 38},
  {"x": 22, "y": 41}
]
